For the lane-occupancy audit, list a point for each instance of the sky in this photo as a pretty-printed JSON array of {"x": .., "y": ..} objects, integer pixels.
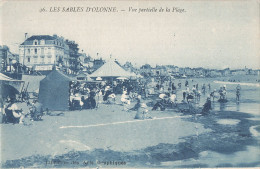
[{"x": 208, "y": 34}]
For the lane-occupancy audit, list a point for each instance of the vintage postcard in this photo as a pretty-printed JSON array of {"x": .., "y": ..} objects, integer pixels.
[{"x": 129, "y": 84}]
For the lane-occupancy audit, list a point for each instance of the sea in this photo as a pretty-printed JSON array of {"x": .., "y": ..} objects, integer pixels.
[
  {"x": 249, "y": 98},
  {"x": 249, "y": 103}
]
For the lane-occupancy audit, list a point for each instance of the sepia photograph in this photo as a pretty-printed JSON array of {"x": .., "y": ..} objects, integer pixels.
[{"x": 129, "y": 84}]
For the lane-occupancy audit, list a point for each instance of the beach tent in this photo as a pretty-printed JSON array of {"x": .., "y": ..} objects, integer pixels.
[
  {"x": 54, "y": 91},
  {"x": 111, "y": 69},
  {"x": 8, "y": 90},
  {"x": 9, "y": 86}
]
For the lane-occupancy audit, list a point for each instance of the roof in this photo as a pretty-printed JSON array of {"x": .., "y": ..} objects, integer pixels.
[
  {"x": 111, "y": 69},
  {"x": 39, "y": 37},
  {"x": 56, "y": 75},
  {"x": 6, "y": 78}
]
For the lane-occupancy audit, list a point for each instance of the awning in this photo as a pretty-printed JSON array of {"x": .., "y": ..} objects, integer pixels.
[
  {"x": 43, "y": 67},
  {"x": 6, "y": 78}
]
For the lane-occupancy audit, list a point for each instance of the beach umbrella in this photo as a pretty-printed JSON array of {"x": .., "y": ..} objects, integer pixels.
[
  {"x": 98, "y": 78},
  {"x": 121, "y": 78}
]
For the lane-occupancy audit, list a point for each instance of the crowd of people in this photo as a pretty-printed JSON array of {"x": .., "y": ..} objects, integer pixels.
[
  {"x": 164, "y": 94},
  {"x": 133, "y": 95}
]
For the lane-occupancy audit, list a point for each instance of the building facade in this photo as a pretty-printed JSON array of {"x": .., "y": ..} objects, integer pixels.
[
  {"x": 7, "y": 59},
  {"x": 44, "y": 50}
]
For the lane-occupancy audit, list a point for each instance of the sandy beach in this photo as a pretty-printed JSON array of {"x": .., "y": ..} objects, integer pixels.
[
  {"x": 111, "y": 134},
  {"x": 110, "y": 137}
]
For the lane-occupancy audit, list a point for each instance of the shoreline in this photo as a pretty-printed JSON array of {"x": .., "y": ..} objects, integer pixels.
[{"x": 257, "y": 84}]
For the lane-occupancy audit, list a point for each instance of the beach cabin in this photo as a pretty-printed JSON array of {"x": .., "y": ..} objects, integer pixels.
[{"x": 54, "y": 92}]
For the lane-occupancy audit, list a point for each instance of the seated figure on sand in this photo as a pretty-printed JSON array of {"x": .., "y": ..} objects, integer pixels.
[
  {"x": 142, "y": 112},
  {"x": 11, "y": 113},
  {"x": 109, "y": 96},
  {"x": 125, "y": 100},
  {"x": 162, "y": 102},
  {"x": 207, "y": 106}
]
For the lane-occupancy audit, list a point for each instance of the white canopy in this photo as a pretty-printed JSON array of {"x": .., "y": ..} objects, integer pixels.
[{"x": 111, "y": 69}]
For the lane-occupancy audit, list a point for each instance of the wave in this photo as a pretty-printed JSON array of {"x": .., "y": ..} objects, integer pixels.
[{"x": 236, "y": 83}]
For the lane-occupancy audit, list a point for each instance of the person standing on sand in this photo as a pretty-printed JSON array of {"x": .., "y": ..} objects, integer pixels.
[
  {"x": 238, "y": 89},
  {"x": 212, "y": 94},
  {"x": 186, "y": 83},
  {"x": 225, "y": 91},
  {"x": 184, "y": 95},
  {"x": 197, "y": 86},
  {"x": 203, "y": 88},
  {"x": 179, "y": 84}
]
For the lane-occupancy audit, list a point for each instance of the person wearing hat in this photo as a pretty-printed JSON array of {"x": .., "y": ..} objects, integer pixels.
[
  {"x": 161, "y": 102},
  {"x": 13, "y": 115},
  {"x": 142, "y": 112},
  {"x": 112, "y": 97}
]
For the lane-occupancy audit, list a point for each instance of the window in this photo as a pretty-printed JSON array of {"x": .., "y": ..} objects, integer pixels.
[
  {"x": 49, "y": 59},
  {"x": 29, "y": 51},
  {"x": 35, "y": 51},
  {"x": 42, "y": 59},
  {"x": 28, "y": 59},
  {"x": 35, "y": 59},
  {"x": 35, "y": 43},
  {"x": 42, "y": 42}
]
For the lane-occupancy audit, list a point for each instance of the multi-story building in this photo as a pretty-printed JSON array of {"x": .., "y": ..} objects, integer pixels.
[
  {"x": 41, "y": 50},
  {"x": 6, "y": 59}
]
